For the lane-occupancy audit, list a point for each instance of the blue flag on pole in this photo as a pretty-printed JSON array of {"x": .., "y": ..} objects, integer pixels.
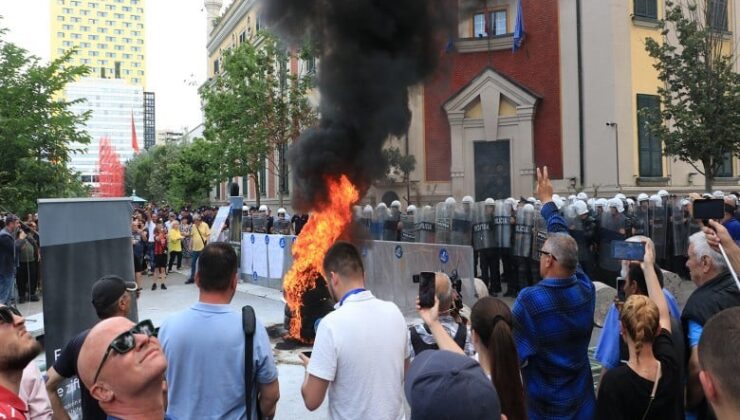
[{"x": 518, "y": 27}]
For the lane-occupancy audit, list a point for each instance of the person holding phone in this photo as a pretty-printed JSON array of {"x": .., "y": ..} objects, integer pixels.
[
  {"x": 420, "y": 337},
  {"x": 649, "y": 385},
  {"x": 729, "y": 221}
]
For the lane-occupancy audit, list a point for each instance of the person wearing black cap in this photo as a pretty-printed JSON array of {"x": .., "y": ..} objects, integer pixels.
[
  {"x": 111, "y": 297},
  {"x": 442, "y": 385}
]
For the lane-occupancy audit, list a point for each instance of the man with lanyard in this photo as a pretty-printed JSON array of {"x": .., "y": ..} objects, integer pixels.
[
  {"x": 420, "y": 338},
  {"x": 360, "y": 353}
]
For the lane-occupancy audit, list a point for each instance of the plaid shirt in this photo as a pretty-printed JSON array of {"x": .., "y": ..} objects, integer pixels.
[{"x": 554, "y": 319}]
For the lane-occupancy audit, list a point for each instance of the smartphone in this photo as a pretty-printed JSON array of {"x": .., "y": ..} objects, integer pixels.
[
  {"x": 709, "y": 209},
  {"x": 426, "y": 289},
  {"x": 620, "y": 288},
  {"x": 631, "y": 251},
  {"x": 307, "y": 353}
]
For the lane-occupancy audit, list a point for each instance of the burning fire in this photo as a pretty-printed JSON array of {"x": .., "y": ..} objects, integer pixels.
[{"x": 324, "y": 227}]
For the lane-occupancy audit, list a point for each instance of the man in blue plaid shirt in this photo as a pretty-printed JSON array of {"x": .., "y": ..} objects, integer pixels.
[{"x": 554, "y": 319}]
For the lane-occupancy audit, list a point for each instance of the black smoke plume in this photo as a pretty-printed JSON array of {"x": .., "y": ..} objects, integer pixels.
[{"x": 371, "y": 52}]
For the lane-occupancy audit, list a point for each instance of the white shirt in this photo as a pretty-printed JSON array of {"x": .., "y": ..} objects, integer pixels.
[
  {"x": 150, "y": 227},
  {"x": 360, "y": 349}
]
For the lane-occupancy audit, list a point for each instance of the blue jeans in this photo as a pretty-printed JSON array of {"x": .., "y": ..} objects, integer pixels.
[
  {"x": 150, "y": 254},
  {"x": 194, "y": 263},
  {"x": 7, "y": 282}
]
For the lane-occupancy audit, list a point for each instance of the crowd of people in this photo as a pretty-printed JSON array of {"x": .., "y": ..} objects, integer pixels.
[{"x": 529, "y": 361}]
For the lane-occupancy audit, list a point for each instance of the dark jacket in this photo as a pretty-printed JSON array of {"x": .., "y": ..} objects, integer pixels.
[{"x": 9, "y": 251}]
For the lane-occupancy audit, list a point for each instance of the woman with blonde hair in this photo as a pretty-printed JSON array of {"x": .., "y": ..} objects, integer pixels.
[{"x": 648, "y": 386}]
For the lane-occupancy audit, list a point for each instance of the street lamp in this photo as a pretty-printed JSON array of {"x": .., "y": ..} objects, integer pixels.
[{"x": 616, "y": 147}]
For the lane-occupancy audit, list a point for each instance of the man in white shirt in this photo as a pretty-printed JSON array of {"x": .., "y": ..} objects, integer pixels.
[{"x": 360, "y": 352}]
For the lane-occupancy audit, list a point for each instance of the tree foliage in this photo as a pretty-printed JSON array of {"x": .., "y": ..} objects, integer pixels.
[
  {"x": 37, "y": 128},
  {"x": 254, "y": 108},
  {"x": 699, "y": 119},
  {"x": 177, "y": 173}
]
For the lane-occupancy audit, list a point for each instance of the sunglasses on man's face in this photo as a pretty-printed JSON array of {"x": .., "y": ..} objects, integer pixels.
[
  {"x": 7, "y": 312},
  {"x": 125, "y": 342}
]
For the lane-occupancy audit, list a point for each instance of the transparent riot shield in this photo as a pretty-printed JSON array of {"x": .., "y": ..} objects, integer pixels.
[
  {"x": 408, "y": 228},
  {"x": 425, "y": 225},
  {"x": 483, "y": 226},
  {"x": 281, "y": 227},
  {"x": 259, "y": 223},
  {"x": 380, "y": 215},
  {"x": 366, "y": 220},
  {"x": 680, "y": 225},
  {"x": 539, "y": 234},
  {"x": 612, "y": 228},
  {"x": 502, "y": 225},
  {"x": 577, "y": 228},
  {"x": 462, "y": 224},
  {"x": 640, "y": 220},
  {"x": 247, "y": 223},
  {"x": 443, "y": 223},
  {"x": 390, "y": 227},
  {"x": 658, "y": 227},
  {"x": 523, "y": 231}
]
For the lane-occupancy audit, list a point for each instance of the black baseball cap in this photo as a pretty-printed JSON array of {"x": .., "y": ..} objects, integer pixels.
[{"x": 109, "y": 289}]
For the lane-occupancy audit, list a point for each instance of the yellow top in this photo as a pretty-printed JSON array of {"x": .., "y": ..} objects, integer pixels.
[
  {"x": 174, "y": 240},
  {"x": 200, "y": 236}
]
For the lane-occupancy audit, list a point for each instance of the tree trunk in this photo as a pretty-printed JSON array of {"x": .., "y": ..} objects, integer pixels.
[
  {"x": 257, "y": 193},
  {"x": 708, "y": 176}
]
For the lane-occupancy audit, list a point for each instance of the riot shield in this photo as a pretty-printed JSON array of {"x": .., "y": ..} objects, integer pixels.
[
  {"x": 640, "y": 220},
  {"x": 425, "y": 224},
  {"x": 658, "y": 227},
  {"x": 380, "y": 215},
  {"x": 247, "y": 223},
  {"x": 523, "y": 231},
  {"x": 390, "y": 227},
  {"x": 680, "y": 221},
  {"x": 539, "y": 233},
  {"x": 443, "y": 223},
  {"x": 577, "y": 230},
  {"x": 259, "y": 223},
  {"x": 366, "y": 220},
  {"x": 483, "y": 226},
  {"x": 462, "y": 224},
  {"x": 612, "y": 228},
  {"x": 408, "y": 228},
  {"x": 281, "y": 227},
  {"x": 502, "y": 224}
]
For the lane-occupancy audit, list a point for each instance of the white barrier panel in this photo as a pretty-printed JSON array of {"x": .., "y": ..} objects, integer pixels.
[{"x": 266, "y": 258}]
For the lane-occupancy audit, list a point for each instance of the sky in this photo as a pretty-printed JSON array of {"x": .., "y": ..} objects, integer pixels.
[{"x": 175, "y": 51}]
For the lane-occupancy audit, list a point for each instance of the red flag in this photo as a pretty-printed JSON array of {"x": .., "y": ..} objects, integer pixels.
[{"x": 134, "y": 142}]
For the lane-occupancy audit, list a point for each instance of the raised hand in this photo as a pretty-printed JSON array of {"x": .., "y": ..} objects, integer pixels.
[{"x": 544, "y": 186}]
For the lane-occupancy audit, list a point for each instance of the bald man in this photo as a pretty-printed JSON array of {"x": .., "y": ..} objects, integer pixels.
[
  {"x": 122, "y": 365},
  {"x": 420, "y": 338}
]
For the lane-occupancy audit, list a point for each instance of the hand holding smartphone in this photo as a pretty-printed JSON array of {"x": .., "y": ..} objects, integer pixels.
[
  {"x": 630, "y": 251},
  {"x": 426, "y": 289}
]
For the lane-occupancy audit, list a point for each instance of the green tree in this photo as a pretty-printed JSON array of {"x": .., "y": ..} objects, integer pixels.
[
  {"x": 699, "y": 116},
  {"x": 253, "y": 109},
  {"x": 37, "y": 128}
]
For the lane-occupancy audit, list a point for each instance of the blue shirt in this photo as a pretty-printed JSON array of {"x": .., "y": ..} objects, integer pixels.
[
  {"x": 607, "y": 351},
  {"x": 554, "y": 320},
  {"x": 204, "y": 346},
  {"x": 733, "y": 226}
]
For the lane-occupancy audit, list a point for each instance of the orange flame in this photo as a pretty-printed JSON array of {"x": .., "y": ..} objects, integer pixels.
[{"x": 324, "y": 227}]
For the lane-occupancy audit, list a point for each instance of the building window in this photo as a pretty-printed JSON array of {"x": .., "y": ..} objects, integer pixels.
[
  {"x": 497, "y": 22},
  {"x": 479, "y": 25},
  {"x": 84, "y": 12},
  {"x": 92, "y": 5},
  {"x": 242, "y": 37},
  {"x": 61, "y": 35},
  {"x": 498, "y": 19},
  {"x": 646, "y": 8},
  {"x": 245, "y": 186},
  {"x": 66, "y": 10},
  {"x": 216, "y": 65},
  {"x": 650, "y": 147},
  {"x": 717, "y": 14},
  {"x": 60, "y": 18},
  {"x": 725, "y": 171}
]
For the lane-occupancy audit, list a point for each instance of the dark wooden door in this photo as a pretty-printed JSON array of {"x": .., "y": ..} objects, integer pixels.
[{"x": 492, "y": 169}]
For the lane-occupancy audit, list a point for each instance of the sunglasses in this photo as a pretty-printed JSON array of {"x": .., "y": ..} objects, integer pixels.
[
  {"x": 7, "y": 312},
  {"x": 125, "y": 342},
  {"x": 548, "y": 254}
]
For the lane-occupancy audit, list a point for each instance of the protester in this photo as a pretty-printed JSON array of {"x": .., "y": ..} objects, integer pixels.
[
  {"x": 719, "y": 363},
  {"x": 360, "y": 350},
  {"x": 111, "y": 297},
  {"x": 492, "y": 332},
  {"x": 27, "y": 273},
  {"x": 442, "y": 385},
  {"x": 150, "y": 225},
  {"x": 186, "y": 231},
  {"x": 554, "y": 320},
  {"x": 716, "y": 290},
  {"x": 174, "y": 245},
  {"x": 729, "y": 222},
  {"x": 139, "y": 241},
  {"x": 205, "y": 345},
  {"x": 199, "y": 239},
  {"x": 17, "y": 349},
  {"x": 10, "y": 242},
  {"x": 717, "y": 234},
  {"x": 123, "y": 366},
  {"x": 420, "y": 337},
  {"x": 160, "y": 256},
  {"x": 650, "y": 385}
]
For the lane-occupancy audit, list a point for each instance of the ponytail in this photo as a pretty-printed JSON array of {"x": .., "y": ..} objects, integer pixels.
[{"x": 640, "y": 319}]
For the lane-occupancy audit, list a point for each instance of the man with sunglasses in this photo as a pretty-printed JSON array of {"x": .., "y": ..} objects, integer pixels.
[
  {"x": 554, "y": 321},
  {"x": 122, "y": 364},
  {"x": 17, "y": 349},
  {"x": 205, "y": 348},
  {"x": 111, "y": 297}
]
